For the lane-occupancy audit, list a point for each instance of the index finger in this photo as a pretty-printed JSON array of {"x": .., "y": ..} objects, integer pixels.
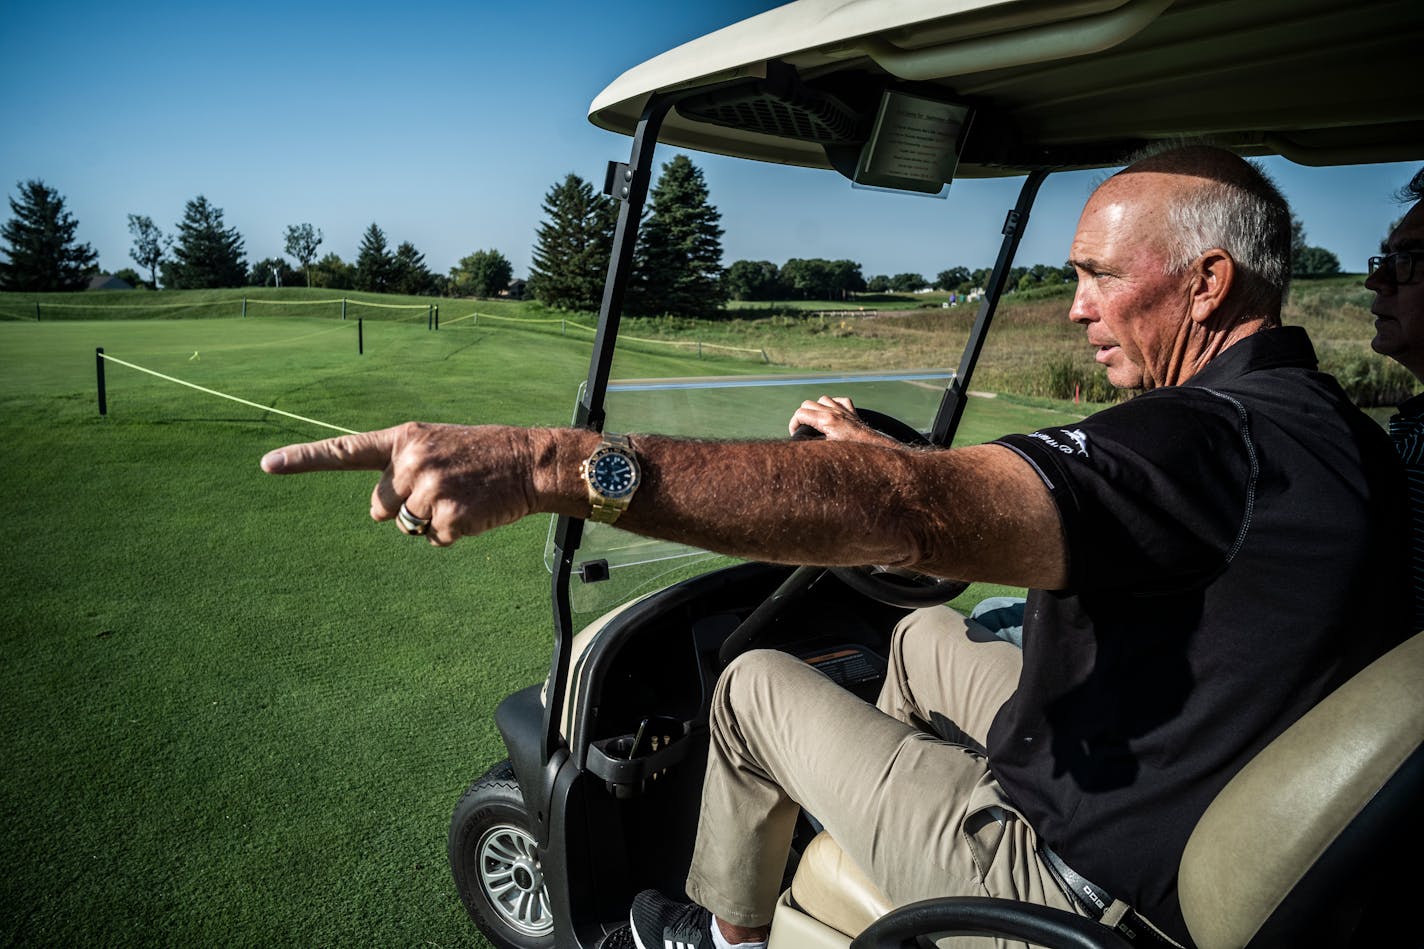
[{"x": 368, "y": 451}]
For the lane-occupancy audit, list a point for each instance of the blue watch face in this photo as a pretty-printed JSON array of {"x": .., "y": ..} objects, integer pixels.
[{"x": 613, "y": 475}]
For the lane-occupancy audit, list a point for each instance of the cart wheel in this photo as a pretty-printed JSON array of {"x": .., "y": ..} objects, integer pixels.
[{"x": 496, "y": 866}]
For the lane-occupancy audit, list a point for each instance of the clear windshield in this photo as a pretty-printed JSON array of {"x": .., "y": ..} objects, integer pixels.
[{"x": 613, "y": 566}]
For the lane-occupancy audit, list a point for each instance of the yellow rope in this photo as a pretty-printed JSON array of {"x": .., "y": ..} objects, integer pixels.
[
  {"x": 635, "y": 339},
  {"x": 224, "y": 395},
  {"x": 391, "y": 306},
  {"x": 251, "y": 300}
]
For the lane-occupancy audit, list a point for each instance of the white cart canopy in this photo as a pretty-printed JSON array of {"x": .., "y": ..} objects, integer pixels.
[{"x": 1051, "y": 83}]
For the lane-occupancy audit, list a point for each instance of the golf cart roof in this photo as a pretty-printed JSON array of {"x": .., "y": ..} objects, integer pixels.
[{"x": 1053, "y": 83}]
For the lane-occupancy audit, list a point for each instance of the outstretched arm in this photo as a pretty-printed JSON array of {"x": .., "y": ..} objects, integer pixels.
[{"x": 977, "y": 513}]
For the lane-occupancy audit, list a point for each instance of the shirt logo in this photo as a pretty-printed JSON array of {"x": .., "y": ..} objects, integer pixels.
[{"x": 1075, "y": 436}]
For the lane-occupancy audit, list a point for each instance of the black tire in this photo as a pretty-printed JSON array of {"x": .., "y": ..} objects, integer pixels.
[{"x": 496, "y": 868}]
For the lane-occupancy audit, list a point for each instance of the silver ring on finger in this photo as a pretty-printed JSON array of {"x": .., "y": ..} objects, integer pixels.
[{"x": 409, "y": 523}]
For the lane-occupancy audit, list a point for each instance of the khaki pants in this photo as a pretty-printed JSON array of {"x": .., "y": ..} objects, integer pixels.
[{"x": 903, "y": 788}]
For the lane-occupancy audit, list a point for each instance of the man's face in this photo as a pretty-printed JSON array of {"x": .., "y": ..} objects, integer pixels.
[
  {"x": 1399, "y": 310},
  {"x": 1134, "y": 312}
]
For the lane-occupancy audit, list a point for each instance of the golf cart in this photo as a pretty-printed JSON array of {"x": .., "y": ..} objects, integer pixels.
[{"x": 598, "y": 797}]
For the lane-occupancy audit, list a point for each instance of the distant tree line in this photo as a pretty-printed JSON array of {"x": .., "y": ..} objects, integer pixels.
[
  {"x": 677, "y": 260},
  {"x": 818, "y": 279}
]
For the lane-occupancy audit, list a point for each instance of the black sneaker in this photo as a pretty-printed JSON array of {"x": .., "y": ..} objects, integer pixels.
[{"x": 660, "y": 923}]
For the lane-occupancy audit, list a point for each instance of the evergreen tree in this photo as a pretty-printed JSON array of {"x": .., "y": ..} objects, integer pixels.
[
  {"x": 408, "y": 271},
  {"x": 679, "y": 261},
  {"x": 40, "y": 243},
  {"x": 482, "y": 274},
  {"x": 150, "y": 244},
  {"x": 302, "y": 240},
  {"x": 570, "y": 259},
  {"x": 374, "y": 263},
  {"x": 206, "y": 254}
]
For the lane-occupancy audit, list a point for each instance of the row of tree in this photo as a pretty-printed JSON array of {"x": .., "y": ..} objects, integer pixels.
[
  {"x": 819, "y": 279},
  {"x": 204, "y": 253},
  {"x": 677, "y": 260}
]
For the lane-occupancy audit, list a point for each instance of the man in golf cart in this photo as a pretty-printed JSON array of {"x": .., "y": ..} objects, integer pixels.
[
  {"x": 1206, "y": 562},
  {"x": 1397, "y": 278}
]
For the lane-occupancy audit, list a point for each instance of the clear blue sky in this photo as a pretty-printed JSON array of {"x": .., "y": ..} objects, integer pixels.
[{"x": 447, "y": 122}]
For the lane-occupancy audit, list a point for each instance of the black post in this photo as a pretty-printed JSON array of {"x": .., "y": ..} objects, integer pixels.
[
  {"x": 360, "y": 336},
  {"x": 437, "y": 317},
  {"x": 951, "y": 407},
  {"x": 99, "y": 368},
  {"x": 37, "y": 311},
  {"x": 629, "y": 185}
]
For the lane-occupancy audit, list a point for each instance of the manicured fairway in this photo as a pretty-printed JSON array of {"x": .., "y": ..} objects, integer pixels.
[{"x": 236, "y": 712}]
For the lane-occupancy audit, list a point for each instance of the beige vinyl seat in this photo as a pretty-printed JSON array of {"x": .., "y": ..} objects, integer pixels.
[{"x": 1315, "y": 842}]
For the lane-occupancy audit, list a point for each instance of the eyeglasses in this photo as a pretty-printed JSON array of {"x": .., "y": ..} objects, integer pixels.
[{"x": 1396, "y": 268}]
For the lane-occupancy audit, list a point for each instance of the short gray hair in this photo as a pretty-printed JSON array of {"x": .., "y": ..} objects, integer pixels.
[{"x": 1238, "y": 209}]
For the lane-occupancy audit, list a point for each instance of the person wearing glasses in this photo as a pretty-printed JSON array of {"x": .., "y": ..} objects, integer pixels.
[{"x": 1397, "y": 278}]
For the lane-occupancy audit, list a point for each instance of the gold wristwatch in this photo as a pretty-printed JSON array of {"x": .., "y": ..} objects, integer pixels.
[{"x": 612, "y": 475}]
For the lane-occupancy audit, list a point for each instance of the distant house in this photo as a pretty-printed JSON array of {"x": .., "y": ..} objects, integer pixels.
[{"x": 104, "y": 281}]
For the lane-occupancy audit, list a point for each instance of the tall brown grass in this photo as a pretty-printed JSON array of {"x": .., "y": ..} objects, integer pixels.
[{"x": 1033, "y": 349}]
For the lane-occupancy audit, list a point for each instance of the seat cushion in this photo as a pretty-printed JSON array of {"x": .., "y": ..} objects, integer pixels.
[
  {"x": 830, "y": 887},
  {"x": 1299, "y": 825}
]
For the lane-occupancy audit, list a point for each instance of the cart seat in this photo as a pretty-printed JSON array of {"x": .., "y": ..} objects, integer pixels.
[
  {"x": 1299, "y": 848},
  {"x": 832, "y": 888}
]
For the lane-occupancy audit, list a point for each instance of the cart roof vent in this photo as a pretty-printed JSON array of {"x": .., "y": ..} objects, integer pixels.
[{"x": 780, "y": 105}]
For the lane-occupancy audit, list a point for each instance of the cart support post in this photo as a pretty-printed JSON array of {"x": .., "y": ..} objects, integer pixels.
[
  {"x": 629, "y": 184},
  {"x": 951, "y": 407}
]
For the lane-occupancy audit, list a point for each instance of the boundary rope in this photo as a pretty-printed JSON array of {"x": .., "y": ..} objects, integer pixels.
[
  {"x": 131, "y": 306},
  {"x": 693, "y": 343},
  {"x": 388, "y": 306},
  {"x": 251, "y": 300},
  {"x": 224, "y": 395}
]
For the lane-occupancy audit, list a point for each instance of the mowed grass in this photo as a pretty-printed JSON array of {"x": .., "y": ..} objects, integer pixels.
[{"x": 236, "y": 711}]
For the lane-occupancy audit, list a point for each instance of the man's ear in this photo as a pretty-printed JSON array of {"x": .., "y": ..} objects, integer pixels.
[{"x": 1213, "y": 274}]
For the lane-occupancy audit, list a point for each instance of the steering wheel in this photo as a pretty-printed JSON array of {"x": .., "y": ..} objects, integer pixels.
[{"x": 896, "y": 586}]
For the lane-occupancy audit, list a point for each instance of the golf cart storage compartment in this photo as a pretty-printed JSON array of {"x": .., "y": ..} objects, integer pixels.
[{"x": 654, "y": 665}]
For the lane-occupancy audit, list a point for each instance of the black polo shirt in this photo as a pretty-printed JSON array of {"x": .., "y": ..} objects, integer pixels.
[{"x": 1235, "y": 552}]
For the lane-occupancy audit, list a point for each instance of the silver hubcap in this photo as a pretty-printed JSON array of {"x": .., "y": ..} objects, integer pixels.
[{"x": 513, "y": 880}]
